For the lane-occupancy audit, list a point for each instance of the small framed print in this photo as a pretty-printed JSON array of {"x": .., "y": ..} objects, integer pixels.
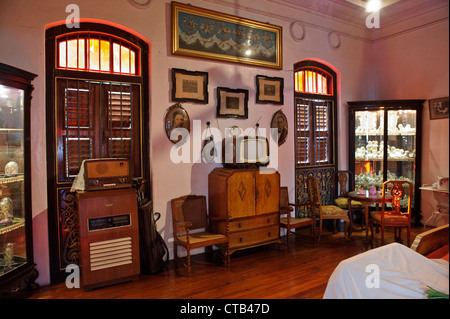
[
  {"x": 280, "y": 123},
  {"x": 189, "y": 86},
  {"x": 232, "y": 103},
  {"x": 177, "y": 123},
  {"x": 269, "y": 90},
  {"x": 438, "y": 108}
]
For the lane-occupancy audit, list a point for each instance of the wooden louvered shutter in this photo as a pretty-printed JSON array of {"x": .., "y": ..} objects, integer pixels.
[
  {"x": 97, "y": 120},
  {"x": 121, "y": 127},
  {"x": 314, "y": 130},
  {"x": 74, "y": 126},
  {"x": 322, "y": 127},
  {"x": 303, "y": 132}
]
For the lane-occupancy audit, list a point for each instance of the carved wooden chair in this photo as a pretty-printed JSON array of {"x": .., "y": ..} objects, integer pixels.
[
  {"x": 343, "y": 178},
  {"x": 189, "y": 214},
  {"x": 289, "y": 222},
  {"x": 398, "y": 215},
  {"x": 332, "y": 212}
]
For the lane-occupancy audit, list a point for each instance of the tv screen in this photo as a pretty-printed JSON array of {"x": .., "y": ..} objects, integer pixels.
[
  {"x": 253, "y": 150},
  {"x": 245, "y": 152}
]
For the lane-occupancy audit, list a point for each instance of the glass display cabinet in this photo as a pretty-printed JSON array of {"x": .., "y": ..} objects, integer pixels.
[
  {"x": 17, "y": 272},
  {"x": 385, "y": 144}
]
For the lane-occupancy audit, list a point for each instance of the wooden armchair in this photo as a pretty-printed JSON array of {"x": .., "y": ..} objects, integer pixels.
[
  {"x": 431, "y": 240},
  {"x": 325, "y": 211},
  {"x": 289, "y": 222},
  {"x": 394, "y": 216},
  {"x": 343, "y": 178},
  {"x": 189, "y": 213}
]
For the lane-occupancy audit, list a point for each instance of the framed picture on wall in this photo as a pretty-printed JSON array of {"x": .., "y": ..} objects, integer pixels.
[
  {"x": 177, "y": 123},
  {"x": 279, "y": 122},
  {"x": 438, "y": 108},
  {"x": 232, "y": 103},
  {"x": 207, "y": 34},
  {"x": 269, "y": 90},
  {"x": 189, "y": 86}
]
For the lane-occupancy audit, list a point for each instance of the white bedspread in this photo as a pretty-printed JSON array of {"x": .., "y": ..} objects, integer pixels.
[{"x": 403, "y": 273}]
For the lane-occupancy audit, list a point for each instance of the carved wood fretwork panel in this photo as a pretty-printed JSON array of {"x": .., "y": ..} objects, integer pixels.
[
  {"x": 325, "y": 177},
  {"x": 69, "y": 228}
]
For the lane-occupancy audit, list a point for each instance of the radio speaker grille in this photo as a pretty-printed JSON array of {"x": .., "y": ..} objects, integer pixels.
[{"x": 110, "y": 253}]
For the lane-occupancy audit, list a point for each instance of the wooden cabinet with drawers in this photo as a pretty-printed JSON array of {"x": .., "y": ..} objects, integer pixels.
[{"x": 244, "y": 204}]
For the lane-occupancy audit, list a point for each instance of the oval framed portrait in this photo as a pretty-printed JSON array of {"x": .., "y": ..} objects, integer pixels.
[
  {"x": 279, "y": 121},
  {"x": 177, "y": 124}
]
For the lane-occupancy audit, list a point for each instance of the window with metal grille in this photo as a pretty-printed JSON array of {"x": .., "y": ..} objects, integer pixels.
[{"x": 314, "y": 109}]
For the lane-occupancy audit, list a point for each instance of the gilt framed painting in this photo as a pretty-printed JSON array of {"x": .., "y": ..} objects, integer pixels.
[{"x": 203, "y": 33}]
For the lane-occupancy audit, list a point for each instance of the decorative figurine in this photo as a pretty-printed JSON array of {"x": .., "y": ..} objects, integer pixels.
[
  {"x": 5, "y": 211},
  {"x": 8, "y": 255},
  {"x": 11, "y": 168}
]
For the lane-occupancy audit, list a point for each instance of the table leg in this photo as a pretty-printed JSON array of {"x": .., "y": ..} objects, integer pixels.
[{"x": 366, "y": 214}]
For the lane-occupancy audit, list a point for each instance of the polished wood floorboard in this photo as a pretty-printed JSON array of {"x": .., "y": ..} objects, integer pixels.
[{"x": 271, "y": 272}]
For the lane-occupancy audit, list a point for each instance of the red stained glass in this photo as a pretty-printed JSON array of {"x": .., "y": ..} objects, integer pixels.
[
  {"x": 313, "y": 81},
  {"x": 93, "y": 54}
]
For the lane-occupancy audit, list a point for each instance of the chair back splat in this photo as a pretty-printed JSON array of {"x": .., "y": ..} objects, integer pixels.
[
  {"x": 290, "y": 222},
  {"x": 343, "y": 185},
  {"x": 324, "y": 212},
  {"x": 398, "y": 215}
]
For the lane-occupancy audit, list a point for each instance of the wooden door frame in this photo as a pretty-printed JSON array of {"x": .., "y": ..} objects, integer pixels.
[
  {"x": 324, "y": 172},
  {"x": 57, "y": 269}
]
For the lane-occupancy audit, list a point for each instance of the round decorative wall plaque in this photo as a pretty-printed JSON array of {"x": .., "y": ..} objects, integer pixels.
[
  {"x": 334, "y": 40},
  {"x": 297, "y": 30},
  {"x": 141, "y": 4}
]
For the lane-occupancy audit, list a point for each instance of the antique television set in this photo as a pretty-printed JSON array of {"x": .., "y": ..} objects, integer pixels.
[{"x": 245, "y": 151}]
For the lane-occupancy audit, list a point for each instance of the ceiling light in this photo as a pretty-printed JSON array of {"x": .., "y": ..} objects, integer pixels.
[{"x": 373, "y": 6}]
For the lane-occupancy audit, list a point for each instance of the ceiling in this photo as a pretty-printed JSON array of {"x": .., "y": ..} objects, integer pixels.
[
  {"x": 349, "y": 17},
  {"x": 363, "y": 3}
]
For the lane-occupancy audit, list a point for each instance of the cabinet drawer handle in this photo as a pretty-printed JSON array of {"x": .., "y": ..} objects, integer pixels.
[
  {"x": 268, "y": 234},
  {"x": 239, "y": 225},
  {"x": 240, "y": 240},
  {"x": 268, "y": 220}
]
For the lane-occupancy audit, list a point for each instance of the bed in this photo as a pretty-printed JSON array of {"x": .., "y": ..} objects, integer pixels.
[{"x": 395, "y": 271}]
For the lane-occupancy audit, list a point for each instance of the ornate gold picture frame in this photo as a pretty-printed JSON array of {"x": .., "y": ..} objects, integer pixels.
[{"x": 209, "y": 34}]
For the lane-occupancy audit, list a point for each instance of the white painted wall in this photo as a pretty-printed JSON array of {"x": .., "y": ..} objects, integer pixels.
[{"x": 22, "y": 31}]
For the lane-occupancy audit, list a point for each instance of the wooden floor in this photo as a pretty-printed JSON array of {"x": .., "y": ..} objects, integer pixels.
[{"x": 267, "y": 273}]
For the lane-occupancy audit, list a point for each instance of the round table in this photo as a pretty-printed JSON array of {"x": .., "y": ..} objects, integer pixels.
[{"x": 366, "y": 200}]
